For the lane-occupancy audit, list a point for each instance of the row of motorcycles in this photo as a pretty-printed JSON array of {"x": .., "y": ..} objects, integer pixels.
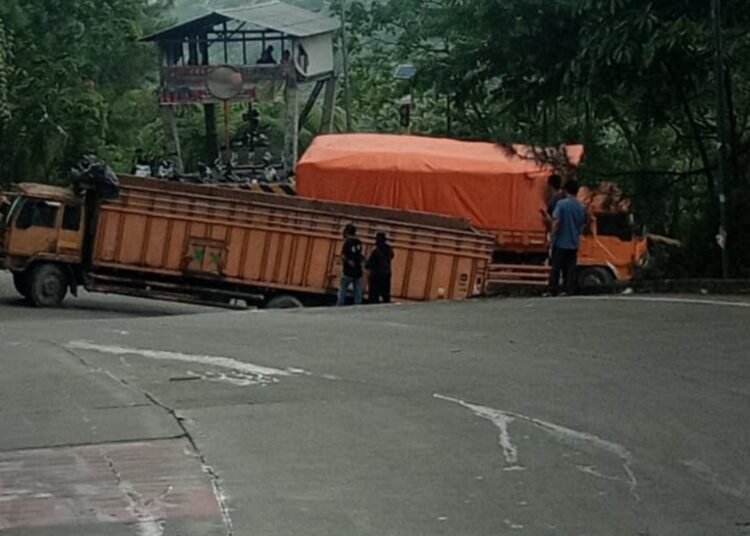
[
  {"x": 226, "y": 168},
  {"x": 220, "y": 172}
]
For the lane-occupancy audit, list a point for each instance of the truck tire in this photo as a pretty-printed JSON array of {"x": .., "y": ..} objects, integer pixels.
[
  {"x": 48, "y": 285},
  {"x": 285, "y": 301},
  {"x": 595, "y": 277},
  {"x": 21, "y": 282}
]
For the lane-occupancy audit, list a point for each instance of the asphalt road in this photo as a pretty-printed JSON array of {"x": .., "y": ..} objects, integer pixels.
[
  {"x": 87, "y": 306},
  {"x": 564, "y": 416}
]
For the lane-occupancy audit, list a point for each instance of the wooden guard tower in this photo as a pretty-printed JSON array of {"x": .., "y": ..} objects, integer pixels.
[{"x": 224, "y": 57}]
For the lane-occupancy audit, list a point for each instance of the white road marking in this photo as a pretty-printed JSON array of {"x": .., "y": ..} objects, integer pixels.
[
  {"x": 703, "y": 471},
  {"x": 500, "y": 419},
  {"x": 214, "y": 361},
  {"x": 236, "y": 378},
  {"x": 513, "y": 526},
  {"x": 593, "y": 471},
  {"x": 566, "y": 435},
  {"x": 692, "y": 301}
]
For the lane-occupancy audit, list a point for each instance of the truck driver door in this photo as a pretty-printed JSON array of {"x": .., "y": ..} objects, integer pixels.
[
  {"x": 70, "y": 239},
  {"x": 35, "y": 229}
]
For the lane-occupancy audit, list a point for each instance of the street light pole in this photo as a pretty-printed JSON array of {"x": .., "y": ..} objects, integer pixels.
[
  {"x": 723, "y": 137},
  {"x": 345, "y": 58}
]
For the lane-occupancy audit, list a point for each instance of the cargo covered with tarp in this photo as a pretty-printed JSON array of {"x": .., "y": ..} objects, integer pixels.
[{"x": 499, "y": 188}]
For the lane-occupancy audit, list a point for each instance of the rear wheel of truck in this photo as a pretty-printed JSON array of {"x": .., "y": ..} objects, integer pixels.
[
  {"x": 284, "y": 301},
  {"x": 48, "y": 285},
  {"x": 21, "y": 282},
  {"x": 595, "y": 277}
]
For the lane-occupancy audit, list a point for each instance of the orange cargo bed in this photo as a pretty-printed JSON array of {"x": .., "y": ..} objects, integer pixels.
[{"x": 278, "y": 243}]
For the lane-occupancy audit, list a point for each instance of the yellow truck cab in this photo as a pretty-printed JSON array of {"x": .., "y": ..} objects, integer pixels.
[{"x": 41, "y": 239}]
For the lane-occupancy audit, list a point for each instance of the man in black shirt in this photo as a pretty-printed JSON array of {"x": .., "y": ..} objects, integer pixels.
[
  {"x": 352, "y": 256},
  {"x": 379, "y": 265},
  {"x": 556, "y": 194}
]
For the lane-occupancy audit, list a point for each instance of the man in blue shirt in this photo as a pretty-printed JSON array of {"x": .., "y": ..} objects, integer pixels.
[{"x": 568, "y": 220}]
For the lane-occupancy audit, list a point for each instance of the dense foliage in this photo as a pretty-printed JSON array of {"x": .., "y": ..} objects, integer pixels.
[
  {"x": 69, "y": 70},
  {"x": 188, "y": 9},
  {"x": 633, "y": 80}
]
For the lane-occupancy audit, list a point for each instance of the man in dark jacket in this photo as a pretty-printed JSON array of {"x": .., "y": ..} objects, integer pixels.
[
  {"x": 352, "y": 257},
  {"x": 556, "y": 194},
  {"x": 379, "y": 266}
]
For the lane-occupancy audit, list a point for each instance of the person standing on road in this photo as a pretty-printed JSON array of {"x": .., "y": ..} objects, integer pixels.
[
  {"x": 353, "y": 257},
  {"x": 568, "y": 220},
  {"x": 379, "y": 266}
]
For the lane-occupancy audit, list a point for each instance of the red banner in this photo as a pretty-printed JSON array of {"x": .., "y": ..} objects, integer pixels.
[{"x": 186, "y": 84}]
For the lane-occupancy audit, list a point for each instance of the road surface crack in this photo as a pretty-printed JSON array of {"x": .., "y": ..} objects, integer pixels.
[
  {"x": 216, "y": 481},
  {"x": 148, "y": 521}
]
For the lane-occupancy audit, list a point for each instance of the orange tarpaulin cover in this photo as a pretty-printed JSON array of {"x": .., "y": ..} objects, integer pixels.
[{"x": 489, "y": 184}]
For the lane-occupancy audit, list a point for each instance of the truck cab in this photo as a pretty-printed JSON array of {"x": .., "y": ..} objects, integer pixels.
[
  {"x": 611, "y": 251},
  {"x": 41, "y": 241}
]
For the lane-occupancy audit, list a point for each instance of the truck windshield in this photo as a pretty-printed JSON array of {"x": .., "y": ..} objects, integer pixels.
[{"x": 619, "y": 225}]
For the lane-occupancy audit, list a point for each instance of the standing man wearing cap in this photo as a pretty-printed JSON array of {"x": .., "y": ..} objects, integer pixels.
[
  {"x": 352, "y": 257},
  {"x": 379, "y": 266}
]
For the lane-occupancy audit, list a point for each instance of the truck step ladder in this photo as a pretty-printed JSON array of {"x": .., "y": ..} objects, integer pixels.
[{"x": 522, "y": 275}]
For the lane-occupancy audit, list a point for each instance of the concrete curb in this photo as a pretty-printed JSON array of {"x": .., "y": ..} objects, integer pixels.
[{"x": 737, "y": 287}]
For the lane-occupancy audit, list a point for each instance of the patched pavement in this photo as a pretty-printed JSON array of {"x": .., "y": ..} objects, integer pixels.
[{"x": 146, "y": 486}]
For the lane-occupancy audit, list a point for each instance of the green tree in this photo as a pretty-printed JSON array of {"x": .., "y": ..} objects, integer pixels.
[
  {"x": 632, "y": 79},
  {"x": 71, "y": 64}
]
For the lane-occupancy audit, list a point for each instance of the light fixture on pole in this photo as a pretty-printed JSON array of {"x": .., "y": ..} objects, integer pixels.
[
  {"x": 406, "y": 72},
  {"x": 345, "y": 59}
]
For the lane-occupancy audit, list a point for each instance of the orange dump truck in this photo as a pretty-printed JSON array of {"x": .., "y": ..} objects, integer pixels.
[
  {"x": 500, "y": 189},
  {"x": 209, "y": 245}
]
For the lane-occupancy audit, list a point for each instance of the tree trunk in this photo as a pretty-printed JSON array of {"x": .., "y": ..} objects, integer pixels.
[{"x": 694, "y": 129}]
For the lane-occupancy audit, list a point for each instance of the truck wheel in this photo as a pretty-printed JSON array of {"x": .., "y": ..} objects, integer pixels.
[
  {"x": 48, "y": 285},
  {"x": 595, "y": 277},
  {"x": 21, "y": 282},
  {"x": 284, "y": 301}
]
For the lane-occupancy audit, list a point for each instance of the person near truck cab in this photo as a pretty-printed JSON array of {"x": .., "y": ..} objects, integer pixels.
[
  {"x": 379, "y": 266},
  {"x": 556, "y": 194},
  {"x": 141, "y": 166},
  {"x": 568, "y": 221},
  {"x": 4, "y": 206},
  {"x": 352, "y": 257}
]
